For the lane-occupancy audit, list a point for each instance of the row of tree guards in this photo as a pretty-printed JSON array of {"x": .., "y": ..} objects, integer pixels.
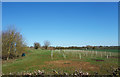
[{"x": 83, "y": 53}]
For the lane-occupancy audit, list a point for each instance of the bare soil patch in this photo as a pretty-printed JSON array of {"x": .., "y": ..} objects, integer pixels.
[{"x": 74, "y": 64}]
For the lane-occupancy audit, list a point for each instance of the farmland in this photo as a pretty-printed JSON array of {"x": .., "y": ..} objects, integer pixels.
[
  {"x": 71, "y": 38},
  {"x": 63, "y": 61}
]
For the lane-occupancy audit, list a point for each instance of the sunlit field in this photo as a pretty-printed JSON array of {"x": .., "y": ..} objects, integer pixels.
[
  {"x": 68, "y": 61},
  {"x": 59, "y": 39}
]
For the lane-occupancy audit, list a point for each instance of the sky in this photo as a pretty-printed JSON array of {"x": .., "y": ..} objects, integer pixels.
[{"x": 64, "y": 23}]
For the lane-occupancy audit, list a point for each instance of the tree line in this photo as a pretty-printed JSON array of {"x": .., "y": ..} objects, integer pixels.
[
  {"x": 87, "y": 47},
  {"x": 47, "y": 46}
]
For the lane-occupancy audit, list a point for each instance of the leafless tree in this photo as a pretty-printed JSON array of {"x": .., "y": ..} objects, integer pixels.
[
  {"x": 12, "y": 43},
  {"x": 46, "y": 44}
]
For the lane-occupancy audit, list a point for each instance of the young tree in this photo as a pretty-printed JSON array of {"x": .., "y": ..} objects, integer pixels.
[
  {"x": 36, "y": 45},
  {"x": 46, "y": 44},
  {"x": 12, "y": 43}
]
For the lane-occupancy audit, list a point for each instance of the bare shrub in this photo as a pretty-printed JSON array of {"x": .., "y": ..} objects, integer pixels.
[
  {"x": 46, "y": 44},
  {"x": 12, "y": 43}
]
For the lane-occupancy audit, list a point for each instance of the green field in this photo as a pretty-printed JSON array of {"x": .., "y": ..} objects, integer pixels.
[{"x": 63, "y": 61}]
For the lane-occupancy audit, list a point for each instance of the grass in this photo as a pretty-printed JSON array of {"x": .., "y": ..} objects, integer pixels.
[{"x": 41, "y": 59}]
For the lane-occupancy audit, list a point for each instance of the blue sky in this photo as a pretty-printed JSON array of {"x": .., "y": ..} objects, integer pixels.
[{"x": 64, "y": 23}]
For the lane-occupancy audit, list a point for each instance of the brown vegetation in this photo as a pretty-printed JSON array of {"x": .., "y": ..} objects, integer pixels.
[
  {"x": 77, "y": 64},
  {"x": 12, "y": 44}
]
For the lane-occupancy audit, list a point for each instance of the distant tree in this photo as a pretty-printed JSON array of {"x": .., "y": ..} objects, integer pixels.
[
  {"x": 89, "y": 47},
  {"x": 36, "y": 45},
  {"x": 31, "y": 46},
  {"x": 94, "y": 47},
  {"x": 46, "y": 44},
  {"x": 12, "y": 43}
]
